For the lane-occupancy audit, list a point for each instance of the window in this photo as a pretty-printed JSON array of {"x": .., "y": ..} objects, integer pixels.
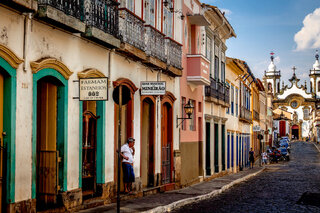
[
  {"x": 216, "y": 67},
  {"x": 129, "y": 4},
  {"x": 232, "y": 100},
  {"x": 236, "y": 100},
  {"x": 318, "y": 86},
  {"x": 183, "y": 113},
  {"x": 167, "y": 19},
  {"x": 228, "y": 109},
  {"x": 223, "y": 72},
  {"x": 149, "y": 10},
  {"x": 192, "y": 122},
  {"x": 209, "y": 52},
  {"x": 200, "y": 107},
  {"x": 306, "y": 114}
]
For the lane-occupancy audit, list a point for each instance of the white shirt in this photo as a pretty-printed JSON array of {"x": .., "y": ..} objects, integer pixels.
[{"x": 127, "y": 151}]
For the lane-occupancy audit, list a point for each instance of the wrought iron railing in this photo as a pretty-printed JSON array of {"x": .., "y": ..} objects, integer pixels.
[
  {"x": 211, "y": 90},
  {"x": 218, "y": 90},
  {"x": 70, "y": 7},
  {"x": 131, "y": 29},
  {"x": 166, "y": 164},
  {"x": 102, "y": 14},
  {"x": 155, "y": 45},
  {"x": 174, "y": 53},
  {"x": 245, "y": 114}
]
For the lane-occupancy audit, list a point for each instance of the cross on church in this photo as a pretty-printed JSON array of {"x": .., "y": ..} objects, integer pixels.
[{"x": 294, "y": 70}]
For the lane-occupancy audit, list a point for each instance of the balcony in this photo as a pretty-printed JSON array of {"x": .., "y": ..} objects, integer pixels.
[
  {"x": 245, "y": 115},
  {"x": 272, "y": 73},
  {"x": 218, "y": 92},
  {"x": 102, "y": 23},
  {"x": 94, "y": 19},
  {"x": 173, "y": 53},
  {"x": 198, "y": 70},
  {"x": 256, "y": 115},
  {"x": 131, "y": 29},
  {"x": 65, "y": 14},
  {"x": 155, "y": 43}
]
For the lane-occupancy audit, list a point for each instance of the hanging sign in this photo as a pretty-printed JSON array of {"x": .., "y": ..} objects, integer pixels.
[
  {"x": 256, "y": 128},
  {"x": 153, "y": 87},
  {"x": 93, "y": 89}
]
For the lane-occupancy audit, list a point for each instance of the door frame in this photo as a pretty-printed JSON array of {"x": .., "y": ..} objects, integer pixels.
[
  {"x": 101, "y": 131},
  {"x": 168, "y": 99},
  {"x": 9, "y": 63},
  {"x": 153, "y": 119},
  {"x": 54, "y": 68}
]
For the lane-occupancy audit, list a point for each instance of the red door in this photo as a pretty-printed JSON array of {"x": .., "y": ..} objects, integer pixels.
[
  {"x": 166, "y": 144},
  {"x": 282, "y": 128}
]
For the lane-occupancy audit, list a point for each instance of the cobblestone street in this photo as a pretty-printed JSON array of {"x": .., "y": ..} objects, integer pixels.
[{"x": 277, "y": 189}]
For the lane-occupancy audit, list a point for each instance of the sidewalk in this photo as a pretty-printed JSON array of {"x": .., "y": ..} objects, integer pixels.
[{"x": 168, "y": 201}]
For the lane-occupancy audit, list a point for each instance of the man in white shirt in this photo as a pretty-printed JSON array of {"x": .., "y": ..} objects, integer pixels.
[{"x": 127, "y": 153}]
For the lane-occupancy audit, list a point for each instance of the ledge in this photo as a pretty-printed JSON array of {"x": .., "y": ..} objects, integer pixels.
[
  {"x": 97, "y": 34},
  {"x": 60, "y": 19}
]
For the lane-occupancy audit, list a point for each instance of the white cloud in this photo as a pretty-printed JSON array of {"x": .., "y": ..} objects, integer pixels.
[
  {"x": 276, "y": 60},
  {"x": 309, "y": 35},
  {"x": 227, "y": 12}
]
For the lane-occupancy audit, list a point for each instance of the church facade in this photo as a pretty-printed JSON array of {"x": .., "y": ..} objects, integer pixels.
[{"x": 295, "y": 99}]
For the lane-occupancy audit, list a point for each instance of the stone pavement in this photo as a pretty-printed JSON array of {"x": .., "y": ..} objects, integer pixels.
[
  {"x": 288, "y": 186},
  {"x": 167, "y": 201}
]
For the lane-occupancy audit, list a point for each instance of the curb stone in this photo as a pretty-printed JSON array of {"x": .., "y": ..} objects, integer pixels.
[{"x": 186, "y": 201}]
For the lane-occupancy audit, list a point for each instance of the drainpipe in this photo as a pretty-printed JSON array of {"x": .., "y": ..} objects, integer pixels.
[
  {"x": 109, "y": 66},
  {"x": 27, "y": 17}
]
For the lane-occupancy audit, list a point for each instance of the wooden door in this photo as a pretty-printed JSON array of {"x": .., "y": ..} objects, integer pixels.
[
  {"x": 208, "y": 147},
  {"x": 166, "y": 144},
  {"x": 89, "y": 151},
  {"x": 147, "y": 144},
  {"x": 282, "y": 128},
  {"x": 2, "y": 150},
  {"x": 47, "y": 155}
]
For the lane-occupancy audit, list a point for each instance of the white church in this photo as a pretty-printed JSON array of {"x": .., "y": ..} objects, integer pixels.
[{"x": 295, "y": 104}]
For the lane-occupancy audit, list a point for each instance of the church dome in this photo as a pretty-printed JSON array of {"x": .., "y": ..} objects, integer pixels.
[
  {"x": 272, "y": 67},
  {"x": 316, "y": 65}
]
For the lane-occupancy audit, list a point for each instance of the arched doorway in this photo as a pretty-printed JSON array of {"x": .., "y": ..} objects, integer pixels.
[
  {"x": 127, "y": 113},
  {"x": 9, "y": 62},
  {"x": 166, "y": 144},
  {"x": 295, "y": 132},
  {"x": 92, "y": 142},
  {"x": 147, "y": 142},
  {"x": 167, "y": 138},
  {"x": 49, "y": 132}
]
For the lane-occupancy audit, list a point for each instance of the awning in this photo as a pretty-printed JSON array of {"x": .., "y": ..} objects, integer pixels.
[{"x": 198, "y": 20}]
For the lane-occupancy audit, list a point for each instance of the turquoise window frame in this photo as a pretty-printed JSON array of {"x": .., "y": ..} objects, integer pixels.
[
  {"x": 9, "y": 126},
  {"x": 62, "y": 123}
]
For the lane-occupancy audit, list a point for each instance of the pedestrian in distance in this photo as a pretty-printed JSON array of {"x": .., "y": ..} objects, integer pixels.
[
  {"x": 264, "y": 156},
  {"x": 127, "y": 153},
  {"x": 251, "y": 158}
]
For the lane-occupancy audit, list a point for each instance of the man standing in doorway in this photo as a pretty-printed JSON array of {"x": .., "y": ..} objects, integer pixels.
[{"x": 127, "y": 153}]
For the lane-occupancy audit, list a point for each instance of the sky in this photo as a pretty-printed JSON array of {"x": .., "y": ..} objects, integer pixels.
[{"x": 289, "y": 28}]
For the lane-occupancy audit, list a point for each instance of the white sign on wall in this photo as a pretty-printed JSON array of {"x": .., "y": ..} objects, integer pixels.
[
  {"x": 93, "y": 89},
  {"x": 256, "y": 128},
  {"x": 153, "y": 87}
]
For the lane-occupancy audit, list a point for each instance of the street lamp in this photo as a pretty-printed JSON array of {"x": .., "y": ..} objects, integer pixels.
[{"x": 188, "y": 109}]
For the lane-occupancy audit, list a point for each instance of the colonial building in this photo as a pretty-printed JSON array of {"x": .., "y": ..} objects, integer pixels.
[
  {"x": 59, "y": 151},
  {"x": 195, "y": 76},
  {"x": 217, "y": 93}
]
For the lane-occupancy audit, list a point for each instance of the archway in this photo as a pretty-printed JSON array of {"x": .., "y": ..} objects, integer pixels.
[
  {"x": 9, "y": 62},
  {"x": 49, "y": 131},
  {"x": 147, "y": 141},
  {"x": 295, "y": 132}
]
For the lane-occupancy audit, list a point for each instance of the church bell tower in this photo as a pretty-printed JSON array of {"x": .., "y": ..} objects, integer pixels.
[
  {"x": 272, "y": 77},
  {"x": 315, "y": 78}
]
